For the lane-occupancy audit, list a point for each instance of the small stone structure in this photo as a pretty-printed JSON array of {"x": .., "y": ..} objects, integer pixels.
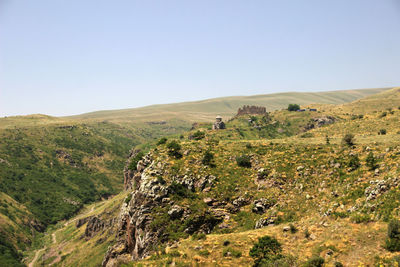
[
  {"x": 251, "y": 110},
  {"x": 218, "y": 124}
]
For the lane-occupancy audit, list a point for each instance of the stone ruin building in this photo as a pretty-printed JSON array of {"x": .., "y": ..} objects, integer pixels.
[
  {"x": 251, "y": 110},
  {"x": 218, "y": 124}
]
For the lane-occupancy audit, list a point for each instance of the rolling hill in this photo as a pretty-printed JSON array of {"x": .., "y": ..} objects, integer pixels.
[
  {"x": 207, "y": 200},
  {"x": 53, "y": 166},
  {"x": 206, "y": 110}
]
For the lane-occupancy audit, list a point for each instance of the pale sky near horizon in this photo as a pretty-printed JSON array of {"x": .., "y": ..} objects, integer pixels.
[{"x": 65, "y": 57}]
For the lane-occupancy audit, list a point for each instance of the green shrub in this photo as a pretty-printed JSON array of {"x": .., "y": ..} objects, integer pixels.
[
  {"x": 383, "y": 114},
  {"x": 315, "y": 261},
  {"x": 293, "y": 229},
  {"x": 337, "y": 264},
  {"x": 134, "y": 161},
  {"x": 307, "y": 233},
  {"x": 208, "y": 159},
  {"x": 354, "y": 162},
  {"x": 243, "y": 161},
  {"x": 382, "y": 132},
  {"x": 266, "y": 249},
  {"x": 360, "y": 218},
  {"x": 293, "y": 107},
  {"x": 226, "y": 243},
  {"x": 327, "y": 140},
  {"x": 162, "y": 141},
  {"x": 348, "y": 140},
  {"x": 174, "y": 149},
  {"x": 371, "y": 161},
  {"x": 198, "y": 135},
  {"x": 180, "y": 191},
  {"x": 393, "y": 240}
]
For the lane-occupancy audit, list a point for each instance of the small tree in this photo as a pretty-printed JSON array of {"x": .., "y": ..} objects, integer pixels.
[
  {"x": 293, "y": 107},
  {"x": 174, "y": 149},
  {"x": 267, "y": 249},
  {"x": 348, "y": 139},
  {"x": 393, "y": 240},
  {"x": 371, "y": 161}
]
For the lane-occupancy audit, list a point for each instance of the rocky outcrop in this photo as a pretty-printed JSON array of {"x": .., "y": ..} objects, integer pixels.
[
  {"x": 251, "y": 110},
  {"x": 95, "y": 224},
  {"x": 263, "y": 222},
  {"x": 82, "y": 221},
  {"x": 379, "y": 187},
  {"x": 136, "y": 235},
  {"x": 131, "y": 176},
  {"x": 66, "y": 157},
  {"x": 262, "y": 204},
  {"x": 319, "y": 122}
]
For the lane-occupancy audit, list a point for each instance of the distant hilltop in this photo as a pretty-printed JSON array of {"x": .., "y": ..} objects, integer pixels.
[{"x": 251, "y": 110}]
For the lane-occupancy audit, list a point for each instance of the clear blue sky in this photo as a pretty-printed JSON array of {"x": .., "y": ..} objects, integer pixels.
[{"x": 62, "y": 57}]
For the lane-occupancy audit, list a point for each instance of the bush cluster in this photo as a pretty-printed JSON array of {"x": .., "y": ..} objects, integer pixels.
[
  {"x": 393, "y": 240},
  {"x": 371, "y": 161},
  {"x": 134, "y": 161},
  {"x": 293, "y": 107},
  {"x": 354, "y": 162},
  {"x": 266, "y": 250},
  {"x": 243, "y": 161},
  {"x": 349, "y": 140},
  {"x": 174, "y": 149},
  {"x": 198, "y": 135},
  {"x": 162, "y": 141},
  {"x": 208, "y": 159}
]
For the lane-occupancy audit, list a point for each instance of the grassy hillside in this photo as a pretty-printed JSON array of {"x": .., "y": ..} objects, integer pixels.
[
  {"x": 206, "y": 110},
  {"x": 54, "y": 166},
  {"x": 65, "y": 244},
  {"x": 320, "y": 191},
  {"x": 324, "y": 198},
  {"x": 16, "y": 231}
]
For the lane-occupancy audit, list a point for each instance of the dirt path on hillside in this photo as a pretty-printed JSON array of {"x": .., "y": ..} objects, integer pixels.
[
  {"x": 78, "y": 217},
  {"x": 53, "y": 235},
  {"x": 32, "y": 263},
  {"x": 54, "y": 240}
]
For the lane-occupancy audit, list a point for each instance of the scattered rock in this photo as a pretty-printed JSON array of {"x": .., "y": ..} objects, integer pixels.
[
  {"x": 209, "y": 201},
  {"x": 262, "y": 204},
  {"x": 263, "y": 222},
  {"x": 175, "y": 212}
]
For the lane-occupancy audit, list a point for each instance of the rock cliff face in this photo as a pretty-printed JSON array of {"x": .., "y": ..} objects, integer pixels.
[
  {"x": 319, "y": 122},
  {"x": 131, "y": 175},
  {"x": 137, "y": 237}
]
